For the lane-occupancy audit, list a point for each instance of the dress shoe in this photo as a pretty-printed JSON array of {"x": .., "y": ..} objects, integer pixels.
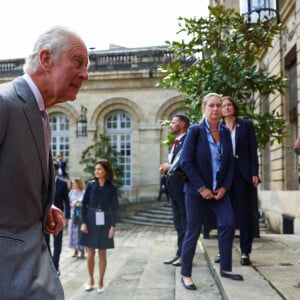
[
  {"x": 245, "y": 260},
  {"x": 217, "y": 259},
  {"x": 231, "y": 276},
  {"x": 177, "y": 262},
  {"x": 170, "y": 261},
  {"x": 191, "y": 287}
]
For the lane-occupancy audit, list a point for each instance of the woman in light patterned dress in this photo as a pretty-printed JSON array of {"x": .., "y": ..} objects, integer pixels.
[{"x": 75, "y": 196}]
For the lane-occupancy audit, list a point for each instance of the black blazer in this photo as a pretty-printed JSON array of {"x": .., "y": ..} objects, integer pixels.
[
  {"x": 246, "y": 157},
  {"x": 105, "y": 198}
]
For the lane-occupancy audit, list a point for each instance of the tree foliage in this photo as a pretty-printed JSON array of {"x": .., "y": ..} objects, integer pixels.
[
  {"x": 101, "y": 149},
  {"x": 223, "y": 55}
]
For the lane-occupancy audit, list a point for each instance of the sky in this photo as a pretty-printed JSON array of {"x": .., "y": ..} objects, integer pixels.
[{"x": 127, "y": 23}]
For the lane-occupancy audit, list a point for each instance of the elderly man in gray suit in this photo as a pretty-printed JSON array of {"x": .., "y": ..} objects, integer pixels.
[{"x": 54, "y": 72}]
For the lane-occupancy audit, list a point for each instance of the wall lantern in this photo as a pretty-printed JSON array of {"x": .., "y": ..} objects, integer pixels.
[
  {"x": 81, "y": 123},
  {"x": 260, "y": 10}
]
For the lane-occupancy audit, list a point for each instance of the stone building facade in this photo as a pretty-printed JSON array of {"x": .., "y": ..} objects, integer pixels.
[
  {"x": 122, "y": 99},
  {"x": 279, "y": 194}
]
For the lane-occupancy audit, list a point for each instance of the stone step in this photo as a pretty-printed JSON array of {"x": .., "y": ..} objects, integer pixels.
[
  {"x": 155, "y": 215},
  {"x": 146, "y": 222},
  {"x": 163, "y": 216},
  {"x": 167, "y": 210},
  {"x": 159, "y": 216}
]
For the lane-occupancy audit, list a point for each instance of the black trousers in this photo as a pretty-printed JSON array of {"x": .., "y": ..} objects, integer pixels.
[
  {"x": 179, "y": 211},
  {"x": 243, "y": 199},
  {"x": 57, "y": 240}
]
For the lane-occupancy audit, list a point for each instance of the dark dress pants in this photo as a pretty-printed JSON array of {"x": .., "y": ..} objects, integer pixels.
[
  {"x": 57, "y": 247},
  {"x": 243, "y": 197},
  {"x": 196, "y": 208},
  {"x": 179, "y": 211}
]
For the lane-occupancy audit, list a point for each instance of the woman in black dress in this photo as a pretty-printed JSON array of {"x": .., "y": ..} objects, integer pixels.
[{"x": 99, "y": 209}]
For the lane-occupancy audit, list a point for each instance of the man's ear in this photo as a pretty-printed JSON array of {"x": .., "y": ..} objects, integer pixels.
[{"x": 45, "y": 60}]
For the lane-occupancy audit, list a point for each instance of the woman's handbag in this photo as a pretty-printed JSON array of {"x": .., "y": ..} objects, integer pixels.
[
  {"x": 77, "y": 211},
  {"x": 175, "y": 172}
]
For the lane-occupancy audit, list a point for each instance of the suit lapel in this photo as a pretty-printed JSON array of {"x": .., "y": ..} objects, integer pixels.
[
  {"x": 178, "y": 148},
  {"x": 34, "y": 121},
  {"x": 237, "y": 132},
  {"x": 205, "y": 144}
]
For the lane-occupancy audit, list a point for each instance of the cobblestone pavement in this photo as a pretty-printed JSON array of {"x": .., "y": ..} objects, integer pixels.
[{"x": 135, "y": 269}]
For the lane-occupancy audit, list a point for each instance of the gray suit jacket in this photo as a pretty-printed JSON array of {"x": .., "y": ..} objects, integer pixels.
[{"x": 26, "y": 194}]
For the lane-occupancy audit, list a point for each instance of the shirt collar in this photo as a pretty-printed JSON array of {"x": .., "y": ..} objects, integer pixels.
[
  {"x": 180, "y": 136},
  {"x": 38, "y": 97}
]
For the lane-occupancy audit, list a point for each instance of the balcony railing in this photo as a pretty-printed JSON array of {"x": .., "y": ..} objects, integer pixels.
[
  {"x": 11, "y": 67},
  {"x": 107, "y": 60},
  {"x": 121, "y": 59},
  {"x": 129, "y": 59}
]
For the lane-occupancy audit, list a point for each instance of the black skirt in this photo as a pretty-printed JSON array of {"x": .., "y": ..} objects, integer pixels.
[{"x": 97, "y": 236}]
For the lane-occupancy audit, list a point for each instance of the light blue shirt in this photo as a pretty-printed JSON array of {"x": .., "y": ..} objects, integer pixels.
[{"x": 216, "y": 153}]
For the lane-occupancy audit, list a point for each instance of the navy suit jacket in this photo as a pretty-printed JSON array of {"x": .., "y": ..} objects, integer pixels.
[
  {"x": 61, "y": 199},
  {"x": 178, "y": 147},
  {"x": 176, "y": 187},
  {"x": 246, "y": 149},
  {"x": 195, "y": 159}
]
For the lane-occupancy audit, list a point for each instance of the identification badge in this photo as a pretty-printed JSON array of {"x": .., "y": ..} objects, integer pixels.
[{"x": 99, "y": 218}]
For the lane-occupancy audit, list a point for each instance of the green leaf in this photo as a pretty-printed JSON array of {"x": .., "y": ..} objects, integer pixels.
[{"x": 226, "y": 54}]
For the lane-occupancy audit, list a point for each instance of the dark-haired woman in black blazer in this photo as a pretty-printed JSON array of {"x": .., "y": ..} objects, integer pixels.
[
  {"x": 98, "y": 213},
  {"x": 245, "y": 178}
]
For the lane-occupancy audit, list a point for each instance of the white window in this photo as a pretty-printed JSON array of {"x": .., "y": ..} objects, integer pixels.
[
  {"x": 60, "y": 141},
  {"x": 118, "y": 127}
]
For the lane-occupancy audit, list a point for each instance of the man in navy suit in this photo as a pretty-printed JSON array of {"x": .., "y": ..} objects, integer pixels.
[
  {"x": 61, "y": 200},
  {"x": 62, "y": 165},
  {"x": 178, "y": 128}
]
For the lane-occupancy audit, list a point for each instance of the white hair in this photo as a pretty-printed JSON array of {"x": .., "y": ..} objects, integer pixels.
[{"x": 56, "y": 40}]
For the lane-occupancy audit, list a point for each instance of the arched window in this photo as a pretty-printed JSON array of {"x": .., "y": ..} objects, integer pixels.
[
  {"x": 60, "y": 142},
  {"x": 118, "y": 126}
]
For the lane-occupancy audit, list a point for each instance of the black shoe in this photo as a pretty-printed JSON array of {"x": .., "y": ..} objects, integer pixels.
[
  {"x": 177, "y": 262},
  {"x": 217, "y": 259},
  {"x": 170, "y": 261},
  {"x": 245, "y": 260},
  {"x": 190, "y": 287},
  {"x": 231, "y": 276}
]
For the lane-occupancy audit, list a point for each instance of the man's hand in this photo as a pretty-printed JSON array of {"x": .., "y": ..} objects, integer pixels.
[
  {"x": 55, "y": 221},
  {"x": 164, "y": 168}
]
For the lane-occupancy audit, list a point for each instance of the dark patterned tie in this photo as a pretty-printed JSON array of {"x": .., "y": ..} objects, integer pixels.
[{"x": 47, "y": 133}]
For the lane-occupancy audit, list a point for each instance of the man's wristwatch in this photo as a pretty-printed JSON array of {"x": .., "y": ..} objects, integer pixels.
[{"x": 201, "y": 189}]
